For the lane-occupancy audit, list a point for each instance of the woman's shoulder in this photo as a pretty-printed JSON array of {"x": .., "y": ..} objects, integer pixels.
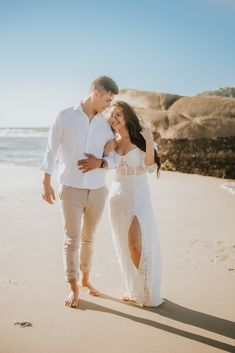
[{"x": 123, "y": 149}]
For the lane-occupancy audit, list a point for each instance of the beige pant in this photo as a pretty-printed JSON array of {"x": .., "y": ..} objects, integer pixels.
[{"x": 81, "y": 209}]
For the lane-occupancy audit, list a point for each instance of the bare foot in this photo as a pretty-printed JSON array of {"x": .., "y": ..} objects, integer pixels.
[
  {"x": 125, "y": 298},
  {"x": 92, "y": 290},
  {"x": 72, "y": 299}
]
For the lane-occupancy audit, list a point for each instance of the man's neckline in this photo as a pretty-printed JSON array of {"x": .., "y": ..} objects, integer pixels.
[{"x": 90, "y": 118}]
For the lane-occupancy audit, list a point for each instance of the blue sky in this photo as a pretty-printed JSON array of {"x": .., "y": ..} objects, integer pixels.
[{"x": 51, "y": 51}]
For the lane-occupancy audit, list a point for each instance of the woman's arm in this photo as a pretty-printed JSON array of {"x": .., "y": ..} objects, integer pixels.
[
  {"x": 149, "y": 155},
  {"x": 109, "y": 146}
]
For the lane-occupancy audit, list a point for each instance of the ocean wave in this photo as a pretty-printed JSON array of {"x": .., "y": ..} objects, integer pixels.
[
  {"x": 6, "y": 166},
  {"x": 229, "y": 186},
  {"x": 24, "y": 132}
]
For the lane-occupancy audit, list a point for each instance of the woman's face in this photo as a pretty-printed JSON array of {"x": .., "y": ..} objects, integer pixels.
[{"x": 117, "y": 119}]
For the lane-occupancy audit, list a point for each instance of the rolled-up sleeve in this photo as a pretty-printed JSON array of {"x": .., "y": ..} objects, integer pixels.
[{"x": 53, "y": 145}]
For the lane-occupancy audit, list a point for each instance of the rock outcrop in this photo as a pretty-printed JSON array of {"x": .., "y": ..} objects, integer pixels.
[
  {"x": 176, "y": 117},
  {"x": 194, "y": 134}
]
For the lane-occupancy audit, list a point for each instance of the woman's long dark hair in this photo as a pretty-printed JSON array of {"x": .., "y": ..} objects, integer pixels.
[{"x": 134, "y": 126}]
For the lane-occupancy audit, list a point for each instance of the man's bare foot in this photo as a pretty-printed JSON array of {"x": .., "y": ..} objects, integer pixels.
[
  {"x": 92, "y": 290},
  {"x": 72, "y": 299}
]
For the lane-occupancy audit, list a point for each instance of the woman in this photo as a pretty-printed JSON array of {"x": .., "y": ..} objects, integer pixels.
[{"x": 130, "y": 209}]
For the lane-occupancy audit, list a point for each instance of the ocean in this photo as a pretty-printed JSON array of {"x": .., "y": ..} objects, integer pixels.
[{"x": 22, "y": 147}]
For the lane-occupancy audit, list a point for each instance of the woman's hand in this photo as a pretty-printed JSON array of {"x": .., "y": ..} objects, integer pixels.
[
  {"x": 109, "y": 146},
  {"x": 147, "y": 134}
]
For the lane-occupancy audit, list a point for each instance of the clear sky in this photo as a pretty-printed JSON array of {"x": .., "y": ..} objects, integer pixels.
[{"x": 50, "y": 51}]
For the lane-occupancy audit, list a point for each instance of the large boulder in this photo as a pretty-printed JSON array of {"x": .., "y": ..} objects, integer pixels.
[
  {"x": 201, "y": 117},
  {"x": 194, "y": 134},
  {"x": 173, "y": 116},
  {"x": 148, "y": 100}
]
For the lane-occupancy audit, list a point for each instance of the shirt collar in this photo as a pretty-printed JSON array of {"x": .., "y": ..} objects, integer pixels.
[{"x": 78, "y": 107}]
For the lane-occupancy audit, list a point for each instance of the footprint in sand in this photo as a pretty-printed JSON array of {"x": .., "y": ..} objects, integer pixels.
[
  {"x": 219, "y": 259},
  {"x": 23, "y": 324},
  {"x": 216, "y": 252},
  {"x": 222, "y": 253}
]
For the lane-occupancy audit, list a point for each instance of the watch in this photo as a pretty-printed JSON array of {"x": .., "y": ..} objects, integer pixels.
[{"x": 103, "y": 163}]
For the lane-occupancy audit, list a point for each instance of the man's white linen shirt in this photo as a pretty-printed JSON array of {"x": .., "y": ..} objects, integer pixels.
[{"x": 71, "y": 136}]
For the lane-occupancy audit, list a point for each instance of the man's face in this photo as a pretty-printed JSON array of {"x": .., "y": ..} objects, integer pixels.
[{"x": 101, "y": 100}]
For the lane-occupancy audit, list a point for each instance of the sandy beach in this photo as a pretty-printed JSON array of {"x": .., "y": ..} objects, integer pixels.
[{"x": 196, "y": 223}]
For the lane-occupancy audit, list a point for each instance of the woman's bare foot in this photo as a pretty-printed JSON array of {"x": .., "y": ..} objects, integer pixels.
[
  {"x": 72, "y": 299},
  {"x": 126, "y": 298},
  {"x": 92, "y": 290}
]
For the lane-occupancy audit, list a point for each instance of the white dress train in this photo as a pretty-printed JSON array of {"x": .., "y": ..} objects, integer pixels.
[{"x": 129, "y": 196}]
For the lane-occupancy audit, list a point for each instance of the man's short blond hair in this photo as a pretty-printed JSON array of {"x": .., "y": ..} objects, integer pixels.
[{"x": 105, "y": 83}]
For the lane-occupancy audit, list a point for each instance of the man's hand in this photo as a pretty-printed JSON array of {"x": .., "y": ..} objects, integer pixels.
[
  {"x": 85, "y": 165},
  {"x": 48, "y": 193}
]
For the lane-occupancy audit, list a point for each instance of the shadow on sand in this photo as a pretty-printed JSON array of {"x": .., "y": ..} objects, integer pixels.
[{"x": 178, "y": 313}]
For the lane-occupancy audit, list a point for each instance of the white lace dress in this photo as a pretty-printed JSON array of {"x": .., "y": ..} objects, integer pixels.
[{"x": 129, "y": 196}]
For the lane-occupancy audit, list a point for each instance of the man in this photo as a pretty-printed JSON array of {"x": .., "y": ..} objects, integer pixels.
[{"x": 79, "y": 134}]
